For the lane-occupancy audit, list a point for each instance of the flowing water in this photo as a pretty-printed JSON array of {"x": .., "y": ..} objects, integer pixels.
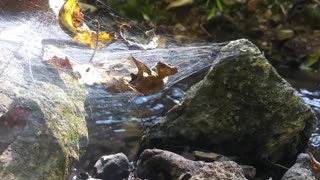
[{"x": 116, "y": 120}]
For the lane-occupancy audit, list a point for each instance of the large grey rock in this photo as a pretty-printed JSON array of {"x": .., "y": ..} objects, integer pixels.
[
  {"x": 156, "y": 164},
  {"x": 241, "y": 108},
  {"x": 42, "y": 124},
  {"x": 301, "y": 170}
]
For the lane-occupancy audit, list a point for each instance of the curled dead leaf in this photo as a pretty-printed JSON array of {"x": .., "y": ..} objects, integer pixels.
[
  {"x": 315, "y": 163},
  {"x": 71, "y": 20},
  {"x": 150, "y": 80}
]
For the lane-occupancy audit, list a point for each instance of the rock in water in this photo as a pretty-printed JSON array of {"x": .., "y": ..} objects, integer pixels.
[
  {"x": 241, "y": 108},
  {"x": 42, "y": 124},
  {"x": 301, "y": 170},
  {"x": 112, "y": 167},
  {"x": 156, "y": 164}
]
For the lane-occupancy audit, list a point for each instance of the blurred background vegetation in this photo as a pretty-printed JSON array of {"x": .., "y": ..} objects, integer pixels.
[{"x": 287, "y": 31}]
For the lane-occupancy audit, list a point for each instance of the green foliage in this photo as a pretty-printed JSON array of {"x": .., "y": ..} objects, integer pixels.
[
  {"x": 139, "y": 9},
  {"x": 215, "y": 5}
]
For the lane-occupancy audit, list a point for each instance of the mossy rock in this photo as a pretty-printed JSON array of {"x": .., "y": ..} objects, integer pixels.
[
  {"x": 42, "y": 125},
  {"x": 241, "y": 108}
]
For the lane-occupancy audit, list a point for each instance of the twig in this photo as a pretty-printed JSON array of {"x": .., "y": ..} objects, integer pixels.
[
  {"x": 96, "y": 45},
  {"x": 275, "y": 164},
  {"x": 121, "y": 33},
  {"x": 204, "y": 30}
]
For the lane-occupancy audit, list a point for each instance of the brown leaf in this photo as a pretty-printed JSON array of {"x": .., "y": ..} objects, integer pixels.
[
  {"x": 60, "y": 63},
  {"x": 315, "y": 163},
  {"x": 120, "y": 86},
  {"x": 149, "y": 81},
  {"x": 64, "y": 64}
]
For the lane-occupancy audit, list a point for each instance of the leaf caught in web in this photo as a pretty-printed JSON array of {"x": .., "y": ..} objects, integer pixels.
[
  {"x": 71, "y": 21},
  {"x": 65, "y": 65},
  {"x": 150, "y": 80}
]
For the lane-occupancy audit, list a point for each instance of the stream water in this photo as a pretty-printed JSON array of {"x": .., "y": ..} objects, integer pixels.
[{"x": 116, "y": 120}]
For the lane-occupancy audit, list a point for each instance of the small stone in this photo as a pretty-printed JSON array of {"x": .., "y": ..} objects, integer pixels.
[
  {"x": 180, "y": 27},
  {"x": 115, "y": 167},
  {"x": 283, "y": 34},
  {"x": 206, "y": 156},
  {"x": 301, "y": 170},
  {"x": 249, "y": 171}
]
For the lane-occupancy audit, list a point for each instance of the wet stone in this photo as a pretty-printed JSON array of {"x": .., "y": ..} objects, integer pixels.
[{"x": 301, "y": 170}]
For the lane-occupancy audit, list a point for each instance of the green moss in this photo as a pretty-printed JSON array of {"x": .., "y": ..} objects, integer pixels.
[
  {"x": 261, "y": 62},
  {"x": 75, "y": 125}
]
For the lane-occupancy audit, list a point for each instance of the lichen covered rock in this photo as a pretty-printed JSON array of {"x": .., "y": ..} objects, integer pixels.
[
  {"x": 42, "y": 124},
  {"x": 241, "y": 108}
]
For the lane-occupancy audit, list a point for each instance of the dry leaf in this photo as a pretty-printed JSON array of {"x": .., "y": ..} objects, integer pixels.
[
  {"x": 64, "y": 64},
  {"x": 121, "y": 85},
  {"x": 149, "y": 81},
  {"x": 315, "y": 163},
  {"x": 71, "y": 21},
  {"x": 60, "y": 63}
]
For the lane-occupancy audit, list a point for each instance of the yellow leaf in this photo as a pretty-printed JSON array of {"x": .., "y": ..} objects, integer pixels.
[
  {"x": 65, "y": 16},
  {"x": 71, "y": 21}
]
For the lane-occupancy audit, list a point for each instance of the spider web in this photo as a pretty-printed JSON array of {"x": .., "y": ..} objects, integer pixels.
[
  {"x": 114, "y": 120},
  {"x": 27, "y": 35}
]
